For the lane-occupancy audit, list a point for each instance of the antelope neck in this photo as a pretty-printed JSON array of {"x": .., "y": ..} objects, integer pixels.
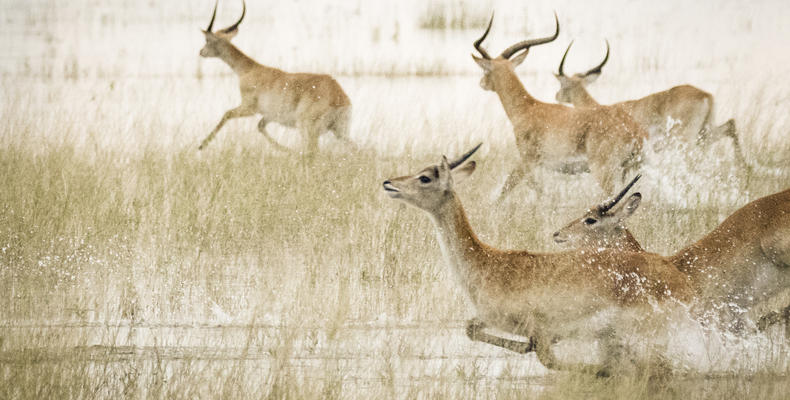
[
  {"x": 582, "y": 98},
  {"x": 629, "y": 242},
  {"x": 458, "y": 242},
  {"x": 512, "y": 94},
  {"x": 236, "y": 60}
]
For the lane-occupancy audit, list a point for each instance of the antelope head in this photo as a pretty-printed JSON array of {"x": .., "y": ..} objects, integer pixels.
[
  {"x": 432, "y": 187},
  {"x": 214, "y": 40},
  {"x": 505, "y": 63},
  {"x": 572, "y": 87},
  {"x": 602, "y": 225}
]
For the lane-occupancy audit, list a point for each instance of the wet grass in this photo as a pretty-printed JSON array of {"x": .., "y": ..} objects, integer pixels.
[
  {"x": 240, "y": 235},
  {"x": 134, "y": 266}
]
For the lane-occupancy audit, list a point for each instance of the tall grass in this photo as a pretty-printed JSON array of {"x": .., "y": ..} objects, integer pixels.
[
  {"x": 178, "y": 273},
  {"x": 132, "y": 265},
  {"x": 455, "y": 15}
]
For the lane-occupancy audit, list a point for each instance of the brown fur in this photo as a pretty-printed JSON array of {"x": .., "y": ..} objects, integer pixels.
[
  {"x": 609, "y": 139},
  {"x": 546, "y": 296},
  {"x": 312, "y": 103},
  {"x": 744, "y": 261},
  {"x": 515, "y": 271},
  {"x": 690, "y": 108}
]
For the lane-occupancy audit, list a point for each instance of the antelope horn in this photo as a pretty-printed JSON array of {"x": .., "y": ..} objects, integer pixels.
[
  {"x": 607, "y": 205},
  {"x": 526, "y": 44},
  {"x": 213, "y": 16},
  {"x": 562, "y": 62},
  {"x": 234, "y": 26},
  {"x": 460, "y": 160},
  {"x": 597, "y": 70},
  {"x": 477, "y": 42}
]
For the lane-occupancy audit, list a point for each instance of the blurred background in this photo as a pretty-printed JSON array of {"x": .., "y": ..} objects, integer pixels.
[{"x": 132, "y": 265}]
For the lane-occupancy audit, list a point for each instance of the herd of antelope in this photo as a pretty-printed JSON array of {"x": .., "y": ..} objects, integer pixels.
[{"x": 605, "y": 290}]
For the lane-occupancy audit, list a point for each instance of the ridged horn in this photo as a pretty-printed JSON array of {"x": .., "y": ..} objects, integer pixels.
[
  {"x": 213, "y": 16},
  {"x": 607, "y": 205},
  {"x": 460, "y": 160},
  {"x": 477, "y": 42},
  {"x": 597, "y": 70},
  {"x": 236, "y": 25},
  {"x": 562, "y": 62},
  {"x": 525, "y": 44}
]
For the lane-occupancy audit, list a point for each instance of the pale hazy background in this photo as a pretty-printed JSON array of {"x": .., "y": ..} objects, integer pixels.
[
  {"x": 736, "y": 51},
  {"x": 133, "y": 265}
]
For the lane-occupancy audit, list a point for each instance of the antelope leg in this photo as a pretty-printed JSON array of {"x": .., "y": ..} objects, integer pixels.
[
  {"x": 474, "y": 330},
  {"x": 240, "y": 111}
]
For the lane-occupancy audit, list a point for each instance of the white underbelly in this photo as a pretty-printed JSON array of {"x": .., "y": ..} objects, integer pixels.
[
  {"x": 276, "y": 110},
  {"x": 556, "y": 312}
]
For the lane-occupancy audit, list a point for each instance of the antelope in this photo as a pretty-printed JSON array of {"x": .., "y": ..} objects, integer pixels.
[
  {"x": 555, "y": 135},
  {"x": 313, "y": 103},
  {"x": 743, "y": 263},
  {"x": 602, "y": 226},
  {"x": 548, "y": 298},
  {"x": 683, "y": 112}
]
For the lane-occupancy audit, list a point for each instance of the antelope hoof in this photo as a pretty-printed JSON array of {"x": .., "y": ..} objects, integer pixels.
[
  {"x": 473, "y": 328},
  {"x": 525, "y": 347},
  {"x": 767, "y": 320},
  {"x": 603, "y": 373}
]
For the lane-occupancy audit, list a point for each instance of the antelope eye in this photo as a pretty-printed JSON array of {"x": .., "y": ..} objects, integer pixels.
[
  {"x": 590, "y": 221},
  {"x": 425, "y": 179}
]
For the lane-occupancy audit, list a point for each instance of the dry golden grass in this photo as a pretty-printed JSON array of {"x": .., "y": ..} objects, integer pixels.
[{"x": 131, "y": 265}]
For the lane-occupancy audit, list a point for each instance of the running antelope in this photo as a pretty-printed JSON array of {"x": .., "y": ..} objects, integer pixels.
[
  {"x": 682, "y": 112},
  {"x": 741, "y": 265},
  {"x": 553, "y": 299},
  {"x": 312, "y": 103},
  {"x": 558, "y": 136}
]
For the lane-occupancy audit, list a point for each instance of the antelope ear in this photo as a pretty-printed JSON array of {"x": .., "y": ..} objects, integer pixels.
[
  {"x": 629, "y": 206},
  {"x": 485, "y": 64},
  {"x": 590, "y": 78},
  {"x": 461, "y": 173},
  {"x": 228, "y": 34},
  {"x": 445, "y": 174},
  {"x": 517, "y": 60}
]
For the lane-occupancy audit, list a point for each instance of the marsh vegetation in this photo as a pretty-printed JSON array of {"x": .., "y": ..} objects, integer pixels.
[{"x": 132, "y": 265}]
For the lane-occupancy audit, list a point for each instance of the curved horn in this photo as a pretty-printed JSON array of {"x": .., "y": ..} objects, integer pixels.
[
  {"x": 525, "y": 44},
  {"x": 607, "y": 205},
  {"x": 562, "y": 62},
  {"x": 213, "y": 16},
  {"x": 477, "y": 42},
  {"x": 234, "y": 26},
  {"x": 460, "y": 160},
  {"x": 597, "y": 70}
]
